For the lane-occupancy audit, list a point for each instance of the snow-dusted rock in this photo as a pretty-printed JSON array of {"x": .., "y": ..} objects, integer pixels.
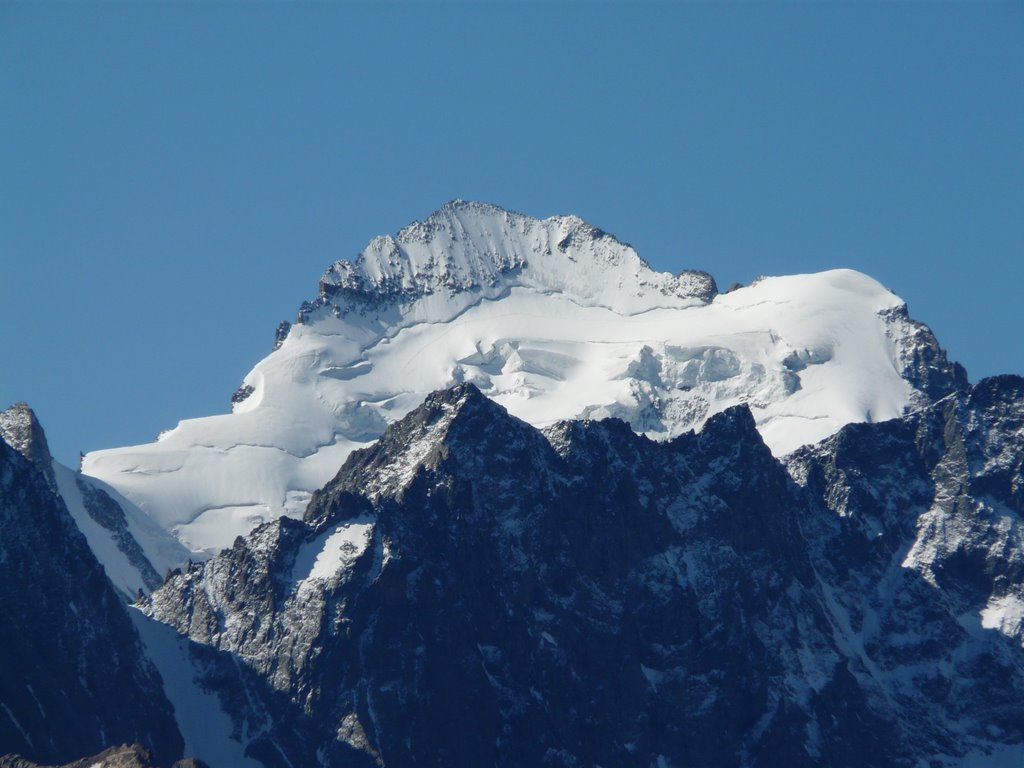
[
  {"x": 915, "y": 532},
  {"x": 469, "y": 590},
  {"x": 21, "y": 430},
  {"x": 511, "y": 598}
]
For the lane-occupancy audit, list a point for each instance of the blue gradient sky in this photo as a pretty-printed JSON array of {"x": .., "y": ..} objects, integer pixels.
[{"x": 175, "y": 177}]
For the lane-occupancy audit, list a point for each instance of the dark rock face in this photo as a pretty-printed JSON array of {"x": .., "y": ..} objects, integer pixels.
[
  {"x": 283, "y": 329},
  {"x": 921, "y": 360},
  {"x": 470, "y": 591},
  {"x": 74, "y": 678},
  {"x": 914, "y": 530}
]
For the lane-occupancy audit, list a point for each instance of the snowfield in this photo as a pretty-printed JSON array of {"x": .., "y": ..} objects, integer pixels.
[{"x": 554, "y": 320}]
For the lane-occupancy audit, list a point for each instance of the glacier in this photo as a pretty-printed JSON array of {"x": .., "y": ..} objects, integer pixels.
[{"x": 553, "y": 319}]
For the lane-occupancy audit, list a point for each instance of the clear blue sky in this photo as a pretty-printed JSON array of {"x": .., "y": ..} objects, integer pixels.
[{"x": 174, "y": 177}]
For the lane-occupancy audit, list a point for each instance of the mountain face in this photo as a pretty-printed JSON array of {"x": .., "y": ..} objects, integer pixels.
[
  {"x": 74, "y": 678},
  {"x": 472, "y": 591},
  {"x": 553, "y": 319},
  {"x": 915, "y": 536}
]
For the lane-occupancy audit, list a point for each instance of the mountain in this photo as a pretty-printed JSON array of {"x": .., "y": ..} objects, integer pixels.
[
  {"x": 74, "y": 678},
  {"x": 553, "y": 319},
  {"x": 470, "y": 590},
  {"x": 503, "y": 495}
]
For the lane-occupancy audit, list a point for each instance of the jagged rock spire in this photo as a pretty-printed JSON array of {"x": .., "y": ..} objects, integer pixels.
[{"x": 21, "y": 430}]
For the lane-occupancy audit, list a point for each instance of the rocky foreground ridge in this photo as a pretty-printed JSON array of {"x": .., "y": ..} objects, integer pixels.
[{"x": 471, "y": 590}]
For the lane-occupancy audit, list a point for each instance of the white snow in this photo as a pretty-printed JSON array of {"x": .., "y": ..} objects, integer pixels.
[
  {"x": 223, "y": 523},
  {"x": 332, "y": 552},
  {"x": 492, "y": 298},
  {"x": 162, "y": 550},
  {"x": 202, "y": 721},
  {"x": 1004, "y": 614}
]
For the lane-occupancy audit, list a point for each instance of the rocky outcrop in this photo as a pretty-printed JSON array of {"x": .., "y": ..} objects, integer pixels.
[
  {"x": 21, "y": 430},
  {"x": 921, "y": 360},
  {"x": 283, "y": 328},
  {"x": 125, "y": 756},
  {"x": 241, "y": 394}
]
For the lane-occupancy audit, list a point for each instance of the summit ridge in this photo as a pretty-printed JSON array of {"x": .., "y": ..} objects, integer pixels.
[{"x": 484, "y": 249}]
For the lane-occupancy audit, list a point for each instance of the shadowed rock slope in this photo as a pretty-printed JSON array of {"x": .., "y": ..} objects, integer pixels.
[{"x": 472, "y": 591}]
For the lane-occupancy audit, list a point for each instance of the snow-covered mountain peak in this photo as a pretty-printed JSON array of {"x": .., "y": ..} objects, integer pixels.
[
  {"x": 483, "y": 250},
  {"x": 552, "y": 319}
]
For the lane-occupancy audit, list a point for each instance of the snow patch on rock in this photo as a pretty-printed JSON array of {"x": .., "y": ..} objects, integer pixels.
[{"x": 332, "y": 553}]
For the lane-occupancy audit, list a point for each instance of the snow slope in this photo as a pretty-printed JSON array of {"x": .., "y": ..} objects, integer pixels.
[
  {"x": 207, "y": 729},
  {"x": 554, "y": 319},
  {"x": 138, "y": 557}
]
